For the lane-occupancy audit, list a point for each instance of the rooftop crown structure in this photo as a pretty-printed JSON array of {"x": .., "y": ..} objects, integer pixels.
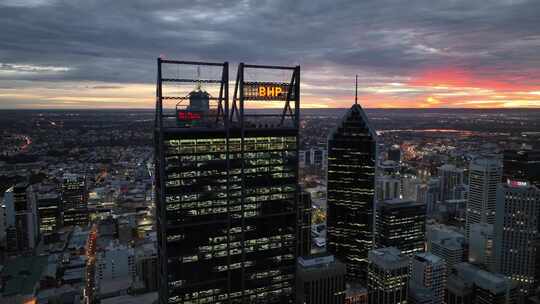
[{"x": 226, "y": 186}]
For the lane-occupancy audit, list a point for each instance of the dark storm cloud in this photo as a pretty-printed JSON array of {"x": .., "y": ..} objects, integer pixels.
[{"x": 118, "y": 41}]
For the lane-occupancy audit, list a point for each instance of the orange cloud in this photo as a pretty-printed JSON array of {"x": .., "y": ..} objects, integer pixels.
[{"x": 453, "y": 77}]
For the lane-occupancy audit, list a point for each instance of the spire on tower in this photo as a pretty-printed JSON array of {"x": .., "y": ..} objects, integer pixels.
[
  {"x": 356, "y": 91},
  {"x": 198, "y": 78}
]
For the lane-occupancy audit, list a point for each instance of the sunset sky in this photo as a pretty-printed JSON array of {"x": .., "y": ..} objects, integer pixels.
[{"x": 102, "y": 54}]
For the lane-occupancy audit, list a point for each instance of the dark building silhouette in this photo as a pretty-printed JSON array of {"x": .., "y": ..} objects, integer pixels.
[
  {"x": 24, "y": 236},
  {"x": 49, "y": 207},
  {"x": 401, "y": 224},
  {"x": 517, "y": 237},
  {"x": 523, "y": 165},
  {"x": 320, "y": 280},
  {"x": 304, "y": 226},
  {"x": 74, "y": 200},
  {"x": 227, "y": 191},
  {"x": 394, "y": 153},
  {"x": 351, "y": 183}
]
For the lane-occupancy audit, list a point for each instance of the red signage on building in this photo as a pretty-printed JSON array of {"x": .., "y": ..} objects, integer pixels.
[{"x": 188, "y": 116}]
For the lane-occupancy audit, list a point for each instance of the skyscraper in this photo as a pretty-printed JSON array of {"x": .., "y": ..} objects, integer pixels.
[
  {"x": 304, "y": 225},
  {"x": 7, "y": 213},
  {"x": 320, "y": 280},
  {"x": 427, "y": 279},
  {"x": 388, "y": 276},
  {"x": 49, "y": 206},
  {"x": 451, "y": 178},
  {"x": 481, "y": 249},
  {"x": 74, "y": 200},
  {"x": 484, "y": 176},
  {"x": 26, "y": 222},
  {"x": 401, "y": 224},
  {"x": 429, "y": 194},
  {"x": 388, "y": 187},
  {"x": 351, "y": 183},
  {"x": 522, "y": 165},
  {"x": 447, "y": 244},
  {"x": 226, "y": 186},
  {"x": 517, "y": 235}
]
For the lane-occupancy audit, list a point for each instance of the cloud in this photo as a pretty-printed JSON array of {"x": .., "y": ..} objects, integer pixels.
[{"x": 116, "y": 42}]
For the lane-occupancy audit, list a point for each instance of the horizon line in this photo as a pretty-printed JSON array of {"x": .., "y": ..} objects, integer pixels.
[{"x": 305, "y": 108}]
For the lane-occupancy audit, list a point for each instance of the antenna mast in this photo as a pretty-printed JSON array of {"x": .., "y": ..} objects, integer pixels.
[
  {"x": 198, "y": 78},
  {"x": 356, "y": 91}
]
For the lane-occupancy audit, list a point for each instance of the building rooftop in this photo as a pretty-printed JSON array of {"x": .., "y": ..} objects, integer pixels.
[
  {"x": 389, "y": 257},
  {"x": 427, "y": 256},
  {"x": 494, "y": 282},
  {"x": 450, "y": 167},
  {"x": 396, "y": 203},
  {"x": 146, "y": 298},
  {"x": 22, "y": 274},
  {"x": 48, "y": 195},
  {"x": 316, "y": 261},
  {"x": 493, "y": 162},
  {"x": 78, "y": 239},
  {"x": 445, "y": 236}
]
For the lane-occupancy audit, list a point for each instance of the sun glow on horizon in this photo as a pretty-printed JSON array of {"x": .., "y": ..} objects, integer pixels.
[{"x": 446, "y": 88}]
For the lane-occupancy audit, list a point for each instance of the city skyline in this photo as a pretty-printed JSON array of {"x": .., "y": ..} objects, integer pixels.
[
  {"x": 90, "y": 55},
  {"x": 240, "y": 206}
]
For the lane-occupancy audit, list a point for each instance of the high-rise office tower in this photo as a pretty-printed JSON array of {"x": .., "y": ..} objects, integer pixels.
[
  {"x": 74, "y": 200},
  {"x": 388, "y": 276},
  {"x": 429, "y": 194},
  {"x": 304, "y": 225},
  {"x": 226, "y": 184},
  {"x": 2, "y": 225},
  {"x": 481, "y": 247},
  {"x": 411, "y": 185},
  {"x": 427, "y": 280},
  {"x": 447, "y": 244},
  {"x": 26, "y": 222},
  {"x": 401, "y": 224},
  {"x": 320, "y": 280},
  {"x": 7, "y": 213},
  {"x": 388, "y": 187},
  {"x": 451, "y": 178},
  {"x": 350, "y": 191},
  {"x": 49, "y": 207},
  {"x": 484, "y": 176},
  {"x": 522, "y": 165},
  {"x": 315, "y": 157},
  {"x": 517, "y": 235}
]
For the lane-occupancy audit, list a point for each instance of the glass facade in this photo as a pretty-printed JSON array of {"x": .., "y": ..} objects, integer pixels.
[
  {"x": 388, "y": 276},
  {"x": 523, "y": 165},
  {"x": 401, "y": 224},
  {"x": 351, "y": 183},
  {"x": 227, "y": 229},
  {"x": 49, "y": 206},
  {"x": 74, "y": 201},
  {"x": 517, "y": 235}
]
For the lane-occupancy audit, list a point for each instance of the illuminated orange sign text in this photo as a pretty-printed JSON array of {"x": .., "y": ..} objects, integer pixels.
[
  {"x": 270, "y": 91},
  {"x": 265, "y": 91}
]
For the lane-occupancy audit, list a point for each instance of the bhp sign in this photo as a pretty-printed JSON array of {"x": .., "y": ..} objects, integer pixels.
[{"x": 265, "y": 91}]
